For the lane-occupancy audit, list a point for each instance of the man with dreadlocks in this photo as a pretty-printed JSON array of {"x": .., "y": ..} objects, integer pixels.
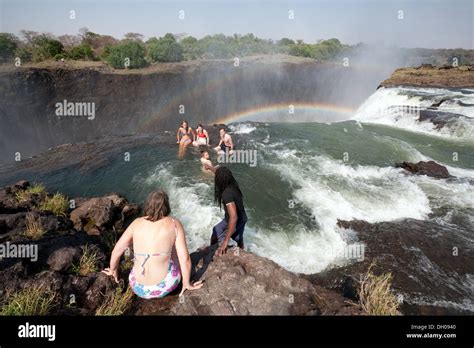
[{"x": 227, "y": 193}]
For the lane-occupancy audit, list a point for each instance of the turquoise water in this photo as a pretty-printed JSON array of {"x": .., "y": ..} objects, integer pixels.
[{"x": 307, "y": 176}]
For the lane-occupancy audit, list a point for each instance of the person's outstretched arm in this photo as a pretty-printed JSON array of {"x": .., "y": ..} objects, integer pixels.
[
  {"x": 211, "y": 168},
  {"x": 123, "y": 243},
  {"x": 184, "y": 260},
  {"x": 207, "y": 136}
]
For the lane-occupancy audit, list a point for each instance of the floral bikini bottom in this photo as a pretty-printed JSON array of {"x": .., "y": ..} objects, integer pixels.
[{"x": 163, "y": 288}]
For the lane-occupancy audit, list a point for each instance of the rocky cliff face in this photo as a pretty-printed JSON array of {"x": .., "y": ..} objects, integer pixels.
[
  {"x": 148, "y": 100},
  {"x": 431, "y": 76}
]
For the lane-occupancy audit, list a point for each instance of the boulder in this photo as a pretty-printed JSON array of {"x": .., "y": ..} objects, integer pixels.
[
  {"x": 62, "y": 259},
  {"x": 430, "y": 168},
  {"x": 94, "y": 216},
  {"x": 21, "y": 185},
  {"x": 101, "y": 286},
  {"x": 8, "y": 202},
  {"x": 50, "y": 280}
]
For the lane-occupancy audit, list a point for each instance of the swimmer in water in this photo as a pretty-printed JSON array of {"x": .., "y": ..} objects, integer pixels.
[
  {"x": 207, "y": 166},
  {"x": 202, "y": 137},
  {"x": 185, "y": 134},
  {"x": 225, "y": 144}
]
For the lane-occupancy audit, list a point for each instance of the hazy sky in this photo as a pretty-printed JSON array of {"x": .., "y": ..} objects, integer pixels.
[{"x": 425, "y": 23}]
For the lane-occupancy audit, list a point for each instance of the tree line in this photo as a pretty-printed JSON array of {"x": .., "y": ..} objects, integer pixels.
[{"x": 134, "y": 52}]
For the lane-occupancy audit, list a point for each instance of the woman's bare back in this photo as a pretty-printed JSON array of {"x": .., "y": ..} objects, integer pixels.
[{"x": 149, "y": 239}]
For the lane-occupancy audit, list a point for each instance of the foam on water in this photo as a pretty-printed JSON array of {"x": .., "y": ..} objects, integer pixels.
[
  {"x": 382, "y": 107},
  {"x": 189, "y": 201},
  {"x": 331, "y": 190},
  {"x": 242, "y": 128}
]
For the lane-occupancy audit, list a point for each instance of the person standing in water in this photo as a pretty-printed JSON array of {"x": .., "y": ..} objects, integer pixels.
[
  {"x": 202, "y": 137},
  {"x": 228, "y": 194},
  {"x": 225, "y": 144},
  {"x": 207, "y": 166}
]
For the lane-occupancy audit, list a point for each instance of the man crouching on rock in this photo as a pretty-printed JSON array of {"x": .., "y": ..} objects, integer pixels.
[{"x": 227, "y": 193}]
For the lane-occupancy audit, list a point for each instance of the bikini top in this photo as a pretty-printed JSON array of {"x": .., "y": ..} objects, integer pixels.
[
  {"x": 147, "y": 256},
  {"x": 184, "y": 132},
  {"x": 201, "y": 135}
]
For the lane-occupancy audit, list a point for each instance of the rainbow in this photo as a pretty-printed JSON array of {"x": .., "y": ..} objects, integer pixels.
[
  {"x": 194, "y": 93},
  {"x": 258, "y": 111},
  {"x": 212, "y": 86}
]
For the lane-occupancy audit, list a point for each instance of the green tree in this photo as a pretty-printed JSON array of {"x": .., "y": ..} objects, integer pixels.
[
  {"x": 45, "y": 47},
  {"x": 216, "y": 46},
  {"x": 129, "y": 54},
  {"x": 8, "y": 45},
  {"x": 25, "y": 53},
  {"x": 191, "y": 49},
  {"x": 301, "y": 50},
  {"x": 83, "y": 52},
  {"x": 165, "y": 49},
  {"x": 285, "y": 42}
]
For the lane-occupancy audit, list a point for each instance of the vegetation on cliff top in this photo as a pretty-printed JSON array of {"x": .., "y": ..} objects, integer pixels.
[{"x": 134, "y": 52}]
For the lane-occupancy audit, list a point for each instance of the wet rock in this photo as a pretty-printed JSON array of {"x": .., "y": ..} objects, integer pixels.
[
  {"x": 440, "y": 119},
  {"x": 430, "y": 168},
  {"x": 430, "y": 264}
]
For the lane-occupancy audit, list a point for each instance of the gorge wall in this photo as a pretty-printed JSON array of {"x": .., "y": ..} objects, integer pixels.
[{"x": 148, "y": 100}]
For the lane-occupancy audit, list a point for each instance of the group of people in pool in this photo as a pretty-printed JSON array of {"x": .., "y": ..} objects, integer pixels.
[
  {"x": 161, "y": 256},
  {"x": 186, "y": 136}
]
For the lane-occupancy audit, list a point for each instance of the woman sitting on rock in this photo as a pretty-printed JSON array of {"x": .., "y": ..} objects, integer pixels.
[
  {"x": 161, "y": 253},
  {"x": 185, "y": 134},
  {"x": 202, "y": 137}
]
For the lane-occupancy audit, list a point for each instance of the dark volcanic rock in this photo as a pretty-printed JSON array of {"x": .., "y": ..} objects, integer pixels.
[
  {"x": 439, "y": 118},
  {"x": 62, "y": 259},
  {"x": 430, "y": 168},
  {"x": 96, "y": 215},
  {"x": 241, "y": 283},
  {"x": 50, "y": 280},
  {"x": 102, "y": 285},
  {"x": 429, "y": 263}
]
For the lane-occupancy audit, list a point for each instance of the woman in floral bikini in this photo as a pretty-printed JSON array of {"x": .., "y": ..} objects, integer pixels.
[{"x": 161, "y": 253}]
